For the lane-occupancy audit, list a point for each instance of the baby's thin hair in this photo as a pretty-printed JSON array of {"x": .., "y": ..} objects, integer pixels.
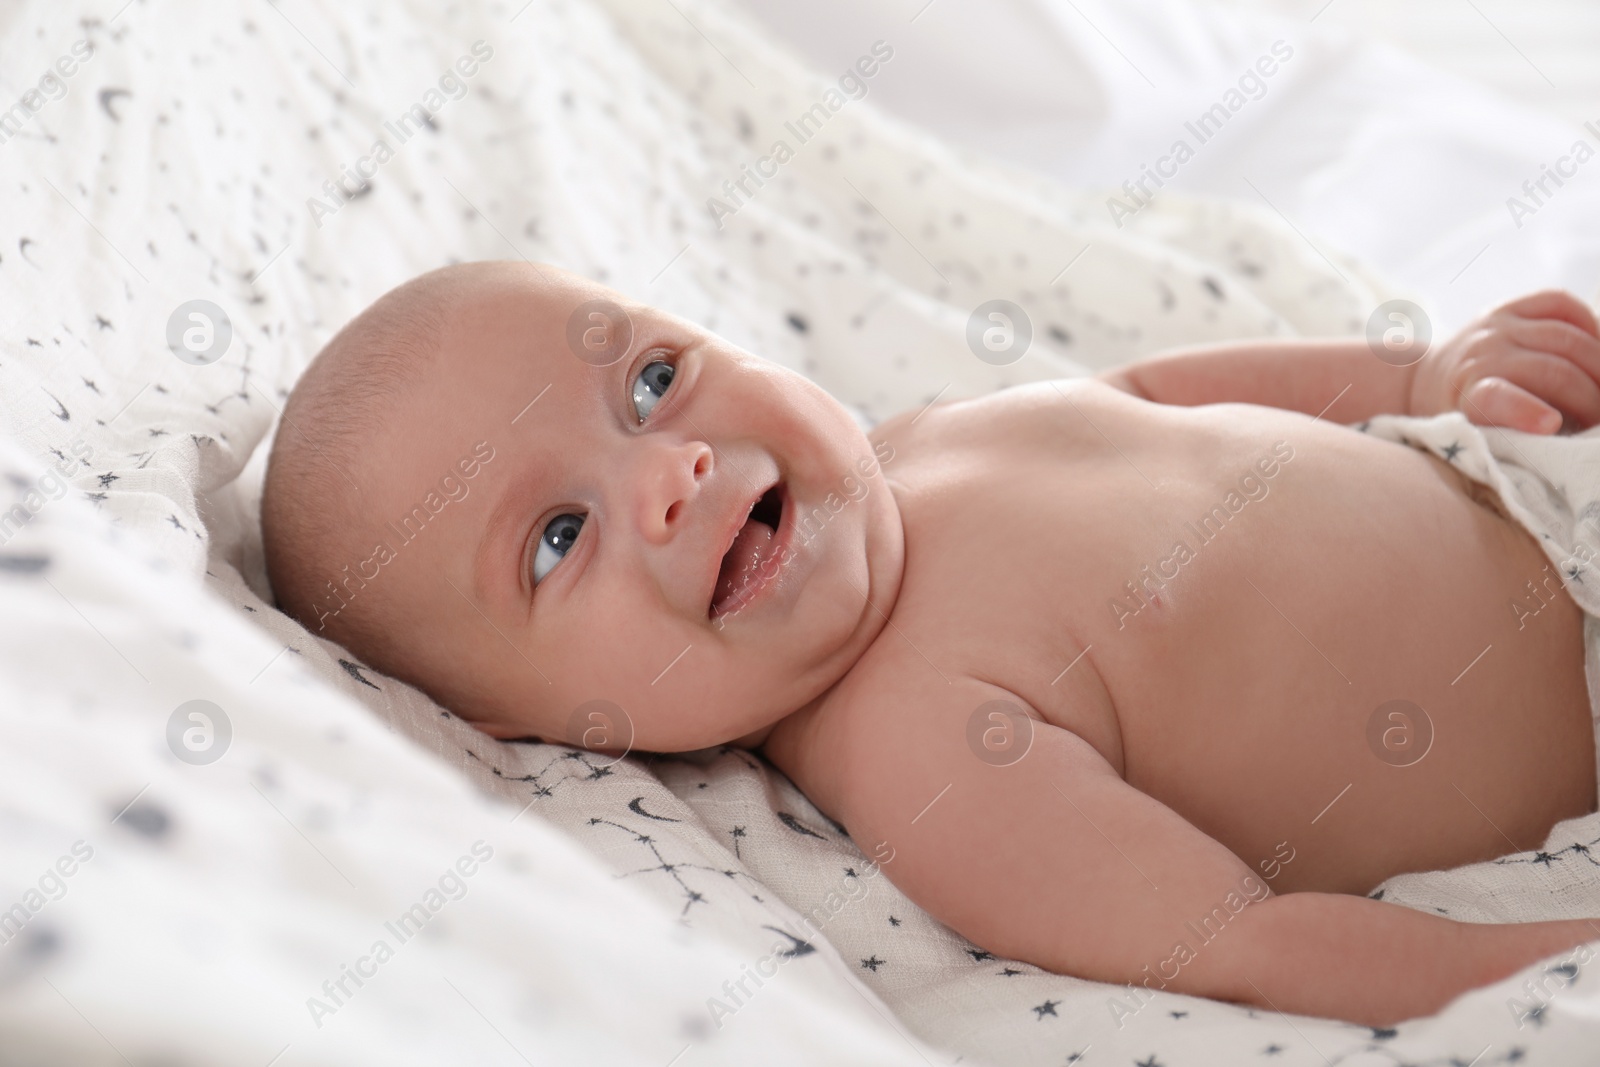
[{"x": 311, "y": 489}]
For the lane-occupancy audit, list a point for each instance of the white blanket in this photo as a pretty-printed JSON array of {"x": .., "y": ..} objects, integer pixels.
[
  {"x": 182, "y": 162},
  {"x": 304, "y": 887}
]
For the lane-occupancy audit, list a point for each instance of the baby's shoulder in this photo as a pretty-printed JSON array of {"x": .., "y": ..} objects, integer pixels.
[
  {"x": 1021, "y": 412},
  {"x": 900, "y": 719}
]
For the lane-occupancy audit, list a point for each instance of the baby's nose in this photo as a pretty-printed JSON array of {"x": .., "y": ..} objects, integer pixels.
[{"x": 672, "y": 478}]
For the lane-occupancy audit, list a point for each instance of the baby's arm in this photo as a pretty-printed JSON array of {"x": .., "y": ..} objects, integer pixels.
[
  {"x": 1293, "y": 374},
  {"x": 1057, "y": 861},
  {"x": 1533, "y": 365}
]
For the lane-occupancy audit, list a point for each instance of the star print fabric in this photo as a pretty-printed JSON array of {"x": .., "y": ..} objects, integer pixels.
[{"x": 179, "y": 165}]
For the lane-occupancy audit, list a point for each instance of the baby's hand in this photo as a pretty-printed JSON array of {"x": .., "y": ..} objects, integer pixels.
[{"x": 1530, "y": 365}]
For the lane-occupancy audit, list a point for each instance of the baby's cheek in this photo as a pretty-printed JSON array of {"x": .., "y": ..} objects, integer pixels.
[{"x": 620, "y": 648}]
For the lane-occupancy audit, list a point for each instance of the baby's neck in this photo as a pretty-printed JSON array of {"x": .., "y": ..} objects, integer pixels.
[
  {"x": 791, "y": 740},
  {"x": 781, "y": 734},
  {"x": 793, "y": 745}
]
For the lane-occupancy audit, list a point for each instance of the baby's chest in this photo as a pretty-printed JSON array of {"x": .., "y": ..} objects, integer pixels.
[
  {"x": 998, "y": 588},
  {"x": 1121, "y": 592}
]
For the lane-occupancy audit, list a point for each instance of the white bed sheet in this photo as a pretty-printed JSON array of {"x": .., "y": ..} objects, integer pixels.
[{"x": 180, "y": 168}]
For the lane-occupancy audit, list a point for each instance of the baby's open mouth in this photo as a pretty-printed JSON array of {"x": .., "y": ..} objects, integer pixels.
[{"x": 752, "y": 546}]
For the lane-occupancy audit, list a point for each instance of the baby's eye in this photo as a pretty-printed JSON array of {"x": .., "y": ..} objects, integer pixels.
[
  {"x": 650, "y": 386},
  {"x": 559, "y": 535}
]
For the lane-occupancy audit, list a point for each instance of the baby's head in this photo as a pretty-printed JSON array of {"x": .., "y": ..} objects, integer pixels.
[{"x": 521, "y": 492}]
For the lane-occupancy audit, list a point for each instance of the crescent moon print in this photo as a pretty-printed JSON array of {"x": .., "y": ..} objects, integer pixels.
[
  {"x": 798, "y": 827},
  {"x": 106, "y": 98},
  {"x": 354, "y": 671},
  {"x": 799, "y": 948},
  {"x": 636, "y": 805},
  {"x": 64, "y": 415}
]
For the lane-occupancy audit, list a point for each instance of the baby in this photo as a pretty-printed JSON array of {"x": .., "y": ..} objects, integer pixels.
[{"x": 971, "y": 636}]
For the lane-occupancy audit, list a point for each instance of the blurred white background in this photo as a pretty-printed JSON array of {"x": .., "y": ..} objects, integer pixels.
[
  {"x": 1542, "y": 52},
  {"x": 1399, "y": 132}
]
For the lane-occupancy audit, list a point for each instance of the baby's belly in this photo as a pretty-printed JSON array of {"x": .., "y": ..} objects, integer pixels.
[{"x": 1338, "y": 671}]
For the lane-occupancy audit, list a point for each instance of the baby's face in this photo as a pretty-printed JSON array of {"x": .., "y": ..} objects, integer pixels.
[{"x": 664, "y": 533}]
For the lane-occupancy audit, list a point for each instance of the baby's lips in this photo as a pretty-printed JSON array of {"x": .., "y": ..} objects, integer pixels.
[
  {"x": 725, "y": 535},
  {"x": 751, "y": 547}
]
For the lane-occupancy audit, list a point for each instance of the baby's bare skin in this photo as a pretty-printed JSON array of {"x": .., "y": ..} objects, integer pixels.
[
  {"x": 1240, "y": 696},
  {"x": 1200, "y": 743},
  {"x": 1220, "y": 731}
]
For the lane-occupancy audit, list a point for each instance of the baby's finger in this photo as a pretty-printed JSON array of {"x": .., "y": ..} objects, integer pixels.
[
  {"x": 1553, "y": 379},
  {"x": 1559, "y": 339},
  {"x": 1497, "y": 402},
  {"x": 1555, "y": 304}
]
